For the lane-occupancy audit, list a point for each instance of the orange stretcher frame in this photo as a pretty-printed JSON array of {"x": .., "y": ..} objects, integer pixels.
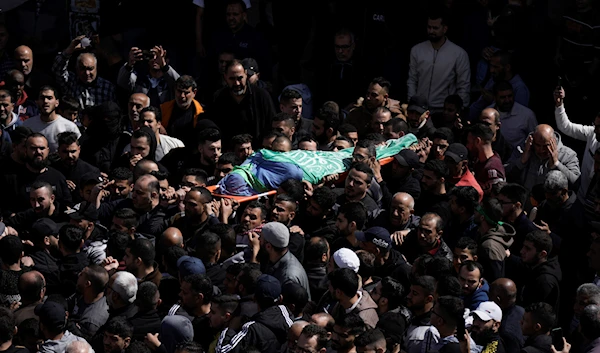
[{"x": 242, "y": 199}]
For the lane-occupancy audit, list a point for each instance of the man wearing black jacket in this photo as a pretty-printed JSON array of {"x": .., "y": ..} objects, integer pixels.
[
  {"x": 73, "y": 260},
  {"x": 401, "y": 177},
  {"x": 44, "y": 236},
  {"x": 146, "y": 320},
  {"x": 241, "y": 107}
]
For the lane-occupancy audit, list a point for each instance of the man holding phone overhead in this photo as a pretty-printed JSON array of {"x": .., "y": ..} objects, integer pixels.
[{"x": 158, "y": 83}]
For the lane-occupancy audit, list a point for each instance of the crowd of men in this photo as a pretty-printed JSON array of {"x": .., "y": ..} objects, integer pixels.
[{"x": 483, "y": 236}]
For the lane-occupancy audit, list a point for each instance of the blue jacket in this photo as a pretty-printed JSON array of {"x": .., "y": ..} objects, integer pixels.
[{"x": 481, "y": 295}]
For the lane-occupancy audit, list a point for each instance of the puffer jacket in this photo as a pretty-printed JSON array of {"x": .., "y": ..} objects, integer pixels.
[
  {"x": 492, "y": 251},
  {"x": 535, "y": 170}
]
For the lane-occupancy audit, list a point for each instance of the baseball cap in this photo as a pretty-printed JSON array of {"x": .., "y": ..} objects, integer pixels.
[
  {"x": 188, "y": 265},
  {"x": 52, "y": 314},
  {"x": 488, "y": 311},
  {"x": 346, "y": 258},
  {"x": 277, "y": 234},
  {"x": 42, "y": 228},
  {"x": 418, "y": 104},
  {"x": 458, "y": 152},
  {"x": 267, "y": 287},
  {"x": 408, "y": 158},
  {"x": 90, "y": 178},
  {"x": 251, "y": 66},
  {"x": 84, "y": 210},
  {"x": 376, "y": 235}
]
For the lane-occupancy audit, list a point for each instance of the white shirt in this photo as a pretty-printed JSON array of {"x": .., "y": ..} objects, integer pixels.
[
  {"x": 165, "y": 144},
  {"x": 51, "y": 129},
  {"x": 436, "y": 74}
]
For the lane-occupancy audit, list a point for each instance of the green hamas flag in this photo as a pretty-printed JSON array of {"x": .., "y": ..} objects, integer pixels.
[{"x": 316, "y": 164}]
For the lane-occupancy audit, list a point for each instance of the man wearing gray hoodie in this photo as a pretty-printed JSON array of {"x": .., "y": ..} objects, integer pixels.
[
  {"x": 542, "y": 152},
  {"x": 53, "y": 322}
]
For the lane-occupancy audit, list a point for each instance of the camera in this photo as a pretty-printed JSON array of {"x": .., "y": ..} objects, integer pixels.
[{"x": 147, "y": 55}]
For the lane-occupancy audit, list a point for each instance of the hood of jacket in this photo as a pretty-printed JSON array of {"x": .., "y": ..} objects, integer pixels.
[
  {"x": 503, "y": 234},
  {"x": 277, "y": 319},
  {"x": 365, "y": 303},
  {"x": 481, "y": 294},
  {"x": 174, "y": 330},
  {"x": 550, "y": 268}
]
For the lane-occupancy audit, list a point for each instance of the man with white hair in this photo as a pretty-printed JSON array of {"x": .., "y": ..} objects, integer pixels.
[
  {"x": 83, "y": 85},
  {"x": 557, "y": 210},
  {"x": 120, "y": 295},
  {"x": 79, "y": 347}
]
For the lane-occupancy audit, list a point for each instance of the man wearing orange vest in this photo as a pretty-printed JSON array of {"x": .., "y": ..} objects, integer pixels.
[{"x": 180, "y": 116}]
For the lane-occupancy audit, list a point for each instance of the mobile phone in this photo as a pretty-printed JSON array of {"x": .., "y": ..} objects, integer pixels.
[
  {"x": 460, "y": 329},
  {"x": 557, "y": 338},
  {"x": 559, "y": 82}
]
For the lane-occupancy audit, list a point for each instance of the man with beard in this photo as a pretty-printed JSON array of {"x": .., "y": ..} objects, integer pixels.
[
  {"x": 290, "y": 102},
  {"x": 196, "y": 295},
  {"x": 557, "y": 209},
  {"x": 84, "y": 84},
  {"x": 351, "y": 299},
  {"x": 438, "y": 67},
  {"x": 15, "y": 195},
  {"x": 284, "y": 211},
  {"x": 9, "y": 120},
  {"x": 434, "y": 197},
  {"x": 196, "y": 218},
  {"x": 377, "y": 96},
  {"x": 418, "y": 118},
  {"x": 425, "y": 239},
  {"x": 181, "y": 115},
  {"x": 491, "y": 117},
  {"x": 377, "y": 241},
  {"x": 120, "y": 293},
  {"x": 501, "y": 68},
  {"x": 43, "y": 205},
  {"x": 488, "y": 167},
  {"x": 44, "y": 236},
  {"x": 325, "y": 127},
  {"x": 351, "y": 219},
  {"x": 345, "y": 331},
  {"x": 91, "y": 310},
  {"x": 486, "y": 323},
  {"x": 70, "y": 165},
  {"x": 357, "y": 184},
  {"x": 49, "y": 123},
  {"x": 517, "y": 120},
  {"x": 241, "y": 107},
  {"x": 475, "y": 288},
  {"x": 419, "y": 301},
  {"x": 144, "y": 201},
  {"x": 271, "y": 250}
]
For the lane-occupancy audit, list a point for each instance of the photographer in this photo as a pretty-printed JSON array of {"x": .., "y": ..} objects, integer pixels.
[{"x": 158, "y": 84}]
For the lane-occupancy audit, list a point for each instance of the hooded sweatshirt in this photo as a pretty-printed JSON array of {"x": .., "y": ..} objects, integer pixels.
[
  {"x": 534, "y": 171},
  {"x": 365, "y": 308},
  {"x": 174, "y": 330},
  {"x": 479, "y": 296},
  {"x": 543, "y": 284},
  {"x": 492, "y": 251}
]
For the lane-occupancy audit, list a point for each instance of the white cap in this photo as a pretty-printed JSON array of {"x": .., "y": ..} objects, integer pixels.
[
  {"x": 346, "y": 258},
  {"x": 488, "y": 311}
]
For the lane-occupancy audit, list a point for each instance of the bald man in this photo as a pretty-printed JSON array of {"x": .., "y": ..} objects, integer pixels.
[
  {"x": 34, "y": 79},
  {"x": 171, "y": 237},
  {"x": 137, "y": 102},
  {"x": 79, "y": 347},
  {"x": 503, "y": 292},
  {"x": 542, "y": 152},
  {"x": 491, "y": 117},
  {"x": 83, "y": 84},
  {"x": 294, "y": 334},
  {"x": 400, "y": 218},
  {"x": 32, "y": 287}
]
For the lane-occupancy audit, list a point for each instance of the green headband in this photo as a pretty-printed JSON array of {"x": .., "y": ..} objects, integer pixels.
[{"x": 480, "y": 210}]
